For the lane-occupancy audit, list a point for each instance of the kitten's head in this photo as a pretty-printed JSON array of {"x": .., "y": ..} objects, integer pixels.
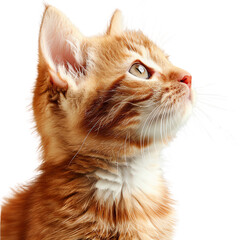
[{"x": 110, "y": 95}]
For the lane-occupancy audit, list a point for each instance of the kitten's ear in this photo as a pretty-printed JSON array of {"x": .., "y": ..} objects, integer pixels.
[
  {"x": 59, "y": 45},
  {"x": 116, "y": 23}
]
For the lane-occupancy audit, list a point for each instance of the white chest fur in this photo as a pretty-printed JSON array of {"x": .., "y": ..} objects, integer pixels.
[{"x": 142, "y": 174}]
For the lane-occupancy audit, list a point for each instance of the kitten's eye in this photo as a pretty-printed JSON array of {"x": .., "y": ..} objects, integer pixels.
[{"x": 138, "y": 70}]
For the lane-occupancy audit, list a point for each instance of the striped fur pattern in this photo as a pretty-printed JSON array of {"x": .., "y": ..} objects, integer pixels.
[{"x": 102, "y": 130}]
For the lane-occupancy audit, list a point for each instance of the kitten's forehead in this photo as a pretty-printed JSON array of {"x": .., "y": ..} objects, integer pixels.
[
  {"x": 128, "y": 47},
  {"x": 144, "y": 46}
]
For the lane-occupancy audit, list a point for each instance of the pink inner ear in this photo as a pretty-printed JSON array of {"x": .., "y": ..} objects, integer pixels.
[
  {"x": 62, "y": 54},
  {"x": 60, "y": 46}
]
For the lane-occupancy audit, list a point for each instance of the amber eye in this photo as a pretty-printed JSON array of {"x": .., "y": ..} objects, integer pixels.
[{"x": 138, "y": 70}]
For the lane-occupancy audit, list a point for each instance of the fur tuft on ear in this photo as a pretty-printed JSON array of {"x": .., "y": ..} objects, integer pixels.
[
  {"x": 116, "y": 23},
  {"x": 60, "y": 47}
]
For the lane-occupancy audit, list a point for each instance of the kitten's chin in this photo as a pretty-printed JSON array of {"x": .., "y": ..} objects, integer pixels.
[
  {"x": 192, "y": 97},
  {"x": 186, "y": 108},
  {"x": 186, "y": 113},
  {"x": 164, "y": 130}
]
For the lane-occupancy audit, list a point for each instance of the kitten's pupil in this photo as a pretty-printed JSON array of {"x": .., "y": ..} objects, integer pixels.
[{"x": 138, "y": 70}]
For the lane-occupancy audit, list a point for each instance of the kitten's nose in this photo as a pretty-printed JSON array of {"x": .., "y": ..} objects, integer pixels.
[{"x": 187, "y": 79}]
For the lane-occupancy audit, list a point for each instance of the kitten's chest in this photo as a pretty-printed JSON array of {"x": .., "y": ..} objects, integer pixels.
[
  {"x": 135, "y": 176},
  {"x": 135, "y": 200}
]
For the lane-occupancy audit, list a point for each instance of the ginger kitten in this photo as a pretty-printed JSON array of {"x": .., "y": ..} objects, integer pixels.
[{"x": 104, "y": 107}]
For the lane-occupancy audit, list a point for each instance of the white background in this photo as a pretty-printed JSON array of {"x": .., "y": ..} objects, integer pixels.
[{"x": 202, "y": 164}]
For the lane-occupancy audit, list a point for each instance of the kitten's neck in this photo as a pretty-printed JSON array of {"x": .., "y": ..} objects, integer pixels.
[
  {"x": 112, "y": 196},
  {"x": 111, "y": 179},
  {"x": 137, "y": 175}
]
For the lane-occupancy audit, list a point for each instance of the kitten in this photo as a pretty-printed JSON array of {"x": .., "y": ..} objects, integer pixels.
[{"x": 104, "y": 107}]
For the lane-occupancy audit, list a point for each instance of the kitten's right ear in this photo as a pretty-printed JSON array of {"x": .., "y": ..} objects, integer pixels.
[
  {"x": 59, "y": 46},
  {"x": 116, "y": 23}
]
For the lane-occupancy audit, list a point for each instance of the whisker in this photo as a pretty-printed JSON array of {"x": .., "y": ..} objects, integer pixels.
[
  {"x": 195, "y": 113},
  {"x": 153, "y": 119},
  {"x": 212, "y": 105},
  {"x": 142, "y": 140},
  {"x": 83, "y": 143},
  {"x": 154, "y": 137},
  {"x": 211, "y": 95},
  {"x": 162, "y": 126}
]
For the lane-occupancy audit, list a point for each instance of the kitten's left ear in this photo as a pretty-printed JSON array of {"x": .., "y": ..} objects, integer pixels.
[
  {"x": 116, "y": 23},
  {"x": 60, "y": 48}
]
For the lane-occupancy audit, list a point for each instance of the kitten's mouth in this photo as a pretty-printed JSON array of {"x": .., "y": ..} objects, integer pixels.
[{"x": 190, "y": 95}]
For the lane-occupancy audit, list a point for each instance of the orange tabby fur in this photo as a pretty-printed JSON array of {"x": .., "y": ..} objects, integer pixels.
[{"x": 90, "y": 127}]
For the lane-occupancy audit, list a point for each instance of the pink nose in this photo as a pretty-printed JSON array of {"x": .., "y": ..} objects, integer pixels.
[{"x": 187, "y": 79}]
